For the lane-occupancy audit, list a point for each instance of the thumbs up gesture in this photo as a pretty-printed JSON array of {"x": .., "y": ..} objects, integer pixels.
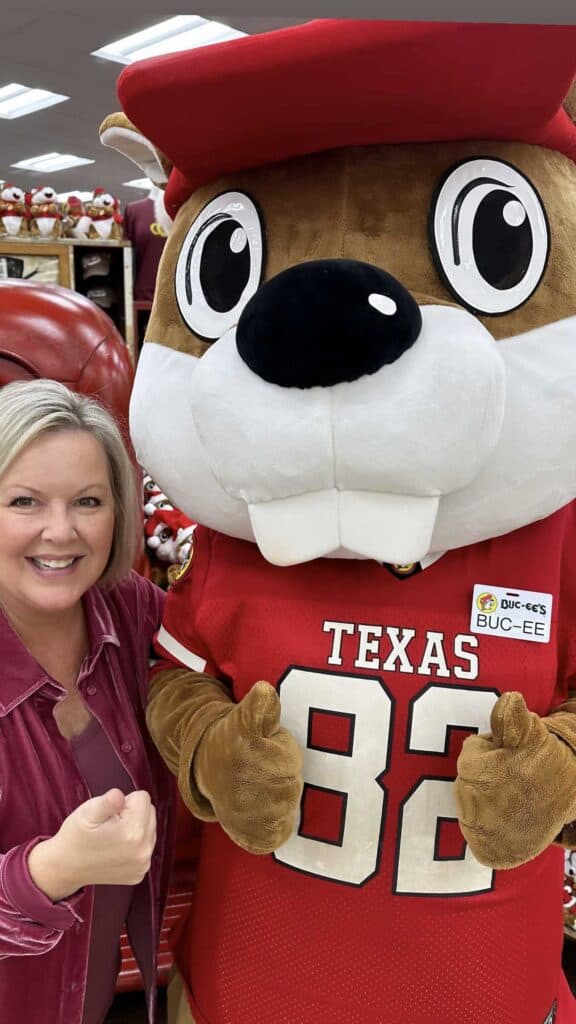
[
  {"x": 249, "y": 768},
  {"x": 515, "y": 789},
  {"x": 107, "y": 840}
]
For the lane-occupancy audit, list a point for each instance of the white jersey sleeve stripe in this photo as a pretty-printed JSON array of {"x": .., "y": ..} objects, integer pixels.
[{"x": 173, "y": 646}]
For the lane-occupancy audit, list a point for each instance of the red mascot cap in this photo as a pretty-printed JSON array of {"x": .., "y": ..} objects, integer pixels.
[{"x": 266, "y": 98}]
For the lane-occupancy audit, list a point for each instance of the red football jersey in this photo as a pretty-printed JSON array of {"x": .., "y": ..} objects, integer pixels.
[{"x": 375, "y": 911}]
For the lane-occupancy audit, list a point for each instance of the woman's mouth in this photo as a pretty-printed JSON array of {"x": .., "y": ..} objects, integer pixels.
[{"x": 47, "y": 564}]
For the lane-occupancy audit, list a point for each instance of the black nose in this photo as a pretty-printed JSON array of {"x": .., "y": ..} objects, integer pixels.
[{"x": 325, "y": 322}]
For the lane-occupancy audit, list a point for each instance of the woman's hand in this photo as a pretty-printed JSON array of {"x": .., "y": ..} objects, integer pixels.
[{"x": 107, "y": 840}]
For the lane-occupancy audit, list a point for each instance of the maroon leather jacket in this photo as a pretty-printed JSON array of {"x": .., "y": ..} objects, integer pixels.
[{"x": 43, "y": 945}]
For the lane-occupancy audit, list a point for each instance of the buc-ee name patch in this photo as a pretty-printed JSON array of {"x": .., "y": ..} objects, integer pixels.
[{"x": 516, "y": 614}]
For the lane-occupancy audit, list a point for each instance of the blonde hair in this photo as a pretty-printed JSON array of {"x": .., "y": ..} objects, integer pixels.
[{"x": 29, "y": 409}]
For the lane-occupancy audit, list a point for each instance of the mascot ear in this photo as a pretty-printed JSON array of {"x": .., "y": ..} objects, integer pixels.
[
  {"x": 117, "y": 132},
  {"x": 570, "y": 103}
]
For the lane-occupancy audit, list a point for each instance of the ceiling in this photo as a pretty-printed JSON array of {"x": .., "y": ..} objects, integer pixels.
[{"x": 52, "y": 50}]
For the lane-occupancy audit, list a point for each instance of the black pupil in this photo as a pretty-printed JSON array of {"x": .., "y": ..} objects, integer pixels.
[
  {"x": 224, "y": 273},
  {"x": 502, "y": 251}
]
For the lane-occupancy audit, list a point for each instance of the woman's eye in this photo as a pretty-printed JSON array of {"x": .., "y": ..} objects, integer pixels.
[
  {"x": 220, "y": 264},
  {"x": 489, "y": 235},
  {"x": 89, "y": 502},
  {"x": 22, "y": 501}
]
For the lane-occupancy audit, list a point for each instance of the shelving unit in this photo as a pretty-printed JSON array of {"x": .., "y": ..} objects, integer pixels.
[{"x": 60, "y": 261}]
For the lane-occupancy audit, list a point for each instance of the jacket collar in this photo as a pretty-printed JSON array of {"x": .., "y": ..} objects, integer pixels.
[{"x": 22, "y": 675}]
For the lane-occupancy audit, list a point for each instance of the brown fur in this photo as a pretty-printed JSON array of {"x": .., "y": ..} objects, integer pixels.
[
  {"x": 372, "y": 204},
  {"x": 119, "y": 120},
  {"x": 192, "y": 743},
  {"x": 520, "y": 775},
  {"x": 116, "y": 232},
  {"x": 35, "y": 210}
]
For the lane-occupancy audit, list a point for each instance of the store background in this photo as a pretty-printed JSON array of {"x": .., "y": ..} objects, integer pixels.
[{"x": 52, "y": 50}]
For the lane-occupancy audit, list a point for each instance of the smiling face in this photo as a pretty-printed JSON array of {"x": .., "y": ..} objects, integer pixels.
[
  {"x": 56, "y": 525},
  {"x": 351, "y": 345}
]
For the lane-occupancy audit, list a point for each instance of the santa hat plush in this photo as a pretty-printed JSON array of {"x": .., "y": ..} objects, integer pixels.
[
  {"x": 168, "y": 531},
  {"x": 156, "y": 502},
  {"x": 164, "y": 518},
  {"x": 154, "y": 497}
]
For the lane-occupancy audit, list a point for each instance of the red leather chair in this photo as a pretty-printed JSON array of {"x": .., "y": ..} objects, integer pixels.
[{"x": 48, "y": 331}]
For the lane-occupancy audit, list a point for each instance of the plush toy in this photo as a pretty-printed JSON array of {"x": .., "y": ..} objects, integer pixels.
[
  {"x": 13, "y": 219},
  {"x": 43, "y": 212},
  {"x": 105, "y": 217},
  {"x": 161, "y": 529},
  {"x": 359, "y": 375},
  {"x": 184, "y": 543},
  {"x": 169, "y": 534},
  {"x": 75, "y": 220},
  {"x": 155, "y": 500},
  {"x": 570, "y": 895},
  {"x": 151, "y": 491}
]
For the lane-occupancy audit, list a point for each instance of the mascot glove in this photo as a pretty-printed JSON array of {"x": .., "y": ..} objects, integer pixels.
[
  {"x": 250, "y": 770},
  {"x": 516, "y": 789}
]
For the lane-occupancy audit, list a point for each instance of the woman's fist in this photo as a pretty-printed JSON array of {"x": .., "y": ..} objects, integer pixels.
[{"x": 108, "y": 840}]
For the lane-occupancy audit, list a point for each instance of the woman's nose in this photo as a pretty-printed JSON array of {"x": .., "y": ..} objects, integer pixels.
[{"x": 59, "y": 524}]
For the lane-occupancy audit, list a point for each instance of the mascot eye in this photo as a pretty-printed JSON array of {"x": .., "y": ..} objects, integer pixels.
[
  {"x": 220, "y": 264},
  {"x": 489, "y": 235}
]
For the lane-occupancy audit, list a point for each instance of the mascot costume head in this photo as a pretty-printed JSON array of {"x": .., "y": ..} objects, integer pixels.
[{"x": 362, "y": 361}]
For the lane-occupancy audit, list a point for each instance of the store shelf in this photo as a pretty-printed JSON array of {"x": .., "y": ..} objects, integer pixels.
[{"x": 60, "y": 261}]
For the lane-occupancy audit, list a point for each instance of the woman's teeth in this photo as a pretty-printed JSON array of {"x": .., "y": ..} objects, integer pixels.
[{"x": 54, "y": 563}]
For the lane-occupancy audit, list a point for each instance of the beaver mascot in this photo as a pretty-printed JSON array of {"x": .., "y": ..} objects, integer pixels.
[{"x": 361, "y": 362}]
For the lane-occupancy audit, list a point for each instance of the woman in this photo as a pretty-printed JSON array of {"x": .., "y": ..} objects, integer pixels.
[{"x": 80, "y": 782}]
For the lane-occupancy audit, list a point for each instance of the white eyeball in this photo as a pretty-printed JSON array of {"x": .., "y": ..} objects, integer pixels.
[
  {"x": 489, "y": 235},
  {"x": 220, "y": 264}
]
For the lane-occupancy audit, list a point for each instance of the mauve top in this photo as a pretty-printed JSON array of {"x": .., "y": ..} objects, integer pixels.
[
  {"x": 101, "y": 770},
  {"x": 44, "y": 946}
]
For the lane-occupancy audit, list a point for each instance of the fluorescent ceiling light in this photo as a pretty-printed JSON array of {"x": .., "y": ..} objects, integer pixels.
[
  {"x": 183, "y": 32},
  {"x": 50, "y": 162},
  {"x": 139, "y": 183},
  {"x": 18, "y": 100}
]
